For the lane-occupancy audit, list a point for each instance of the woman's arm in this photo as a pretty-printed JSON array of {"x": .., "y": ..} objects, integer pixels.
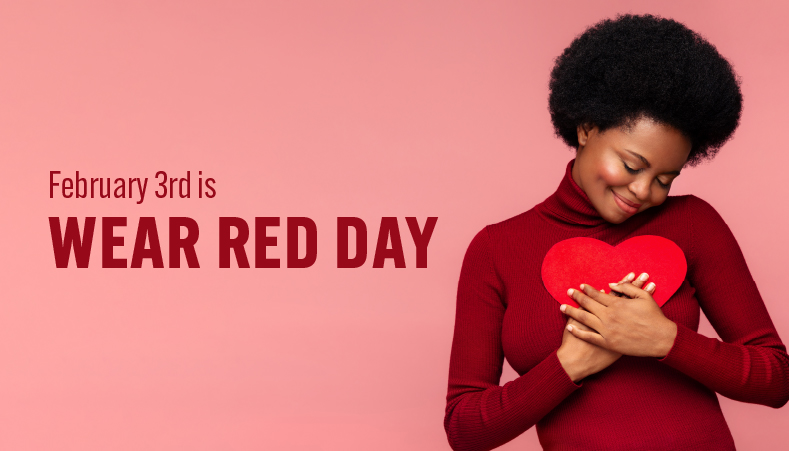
[
  {"x": 751, "y": 364},
  {"x": 480, "y": 414}
]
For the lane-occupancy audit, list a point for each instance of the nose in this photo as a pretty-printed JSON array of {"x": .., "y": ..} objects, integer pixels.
[{"x": 640, "y": 188}]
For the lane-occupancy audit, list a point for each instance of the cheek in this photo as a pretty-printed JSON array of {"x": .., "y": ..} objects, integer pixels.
[
  {"x": 611, "y": 175},
  {"x": 658, "y": 199}
]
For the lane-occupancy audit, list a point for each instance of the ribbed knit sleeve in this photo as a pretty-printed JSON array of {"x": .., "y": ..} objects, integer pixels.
[
  {"x": 480, "y": 414},
  {"x": 751, "y": 364}
]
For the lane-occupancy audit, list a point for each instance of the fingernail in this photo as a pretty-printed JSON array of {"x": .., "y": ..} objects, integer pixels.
[
  {"x": 643, "y": 277},
  {"x": 570, "y": 328},
  {"x": 650, "y": 286},
  {"x": 570, "y": 291},
  {"x": 612, "y": 284},
  {"x": 583, "y": 286},
  {"x": 630, "y": 276},
  {"x": 563, "y": 308}
]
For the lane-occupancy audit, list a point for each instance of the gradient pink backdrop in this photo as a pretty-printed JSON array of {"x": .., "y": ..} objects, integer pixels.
[{"x": 318, "y": 109}]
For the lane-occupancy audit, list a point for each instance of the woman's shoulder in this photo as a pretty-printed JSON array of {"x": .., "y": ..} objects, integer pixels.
[
  {"x": 687, "y": 200},
  {"x": 697, "y": 219},
  {"x": 518, "y": 224},
  {"x": 491, "y": 235},
  {"x": 698, "y": 209}
]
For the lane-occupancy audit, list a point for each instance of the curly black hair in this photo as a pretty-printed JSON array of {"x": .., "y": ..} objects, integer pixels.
[{"x": 635, "y": 66}]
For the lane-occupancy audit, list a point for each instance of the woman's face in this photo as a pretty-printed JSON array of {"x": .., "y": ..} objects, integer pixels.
[{"x": 626, "y": 170}]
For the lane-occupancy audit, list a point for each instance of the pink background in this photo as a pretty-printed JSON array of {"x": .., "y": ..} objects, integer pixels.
[{"x": 318, "y": 109}]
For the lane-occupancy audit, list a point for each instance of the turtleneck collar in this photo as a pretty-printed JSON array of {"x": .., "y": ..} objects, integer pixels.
[{"x": 570, "y": 205}]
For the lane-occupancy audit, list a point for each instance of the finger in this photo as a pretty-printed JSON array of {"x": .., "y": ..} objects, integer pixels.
[
  {"x": 627, "y": 278},
  {"x": 574, "y": 323},
  {"x": 583, "y": 300},
  {"x": 629, "y": 290},
  {"x": 582, "y": 316},
  {"x": 600, "y": 298},
  {"x": 650, "y": 288},
  {"x": 587, "y": 336},
  {"x": 641, "y": 280}
]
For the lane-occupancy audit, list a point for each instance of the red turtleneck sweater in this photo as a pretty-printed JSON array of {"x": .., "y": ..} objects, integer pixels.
[{"x": 637, "y": 403}]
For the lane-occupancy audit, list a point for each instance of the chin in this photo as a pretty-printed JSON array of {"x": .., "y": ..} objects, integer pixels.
[
  {"x": 616, "y": 219},
  {"x": 613, "y": 213}
]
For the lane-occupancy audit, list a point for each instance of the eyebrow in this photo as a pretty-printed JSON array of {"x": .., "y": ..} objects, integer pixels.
[{"x": 646, "y": 162}]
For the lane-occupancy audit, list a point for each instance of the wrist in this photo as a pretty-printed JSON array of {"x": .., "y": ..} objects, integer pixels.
[
  {"x": 668, "y": 336},
  {"x": 571, "y": 366}
]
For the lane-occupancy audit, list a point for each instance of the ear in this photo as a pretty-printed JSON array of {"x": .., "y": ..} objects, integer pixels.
[{"x": 584, "y": 130}]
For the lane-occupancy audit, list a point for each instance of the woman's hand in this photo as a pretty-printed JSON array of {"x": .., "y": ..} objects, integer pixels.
[
  {"x": 580, "y": 358},
  {"x": 632, "y": 326}
]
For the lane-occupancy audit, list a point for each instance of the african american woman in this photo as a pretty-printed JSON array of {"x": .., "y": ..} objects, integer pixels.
[{"x": 607, "y": 368}]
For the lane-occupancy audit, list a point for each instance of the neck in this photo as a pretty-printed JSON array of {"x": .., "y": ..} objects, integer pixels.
[{"x": 569, "y": 205}]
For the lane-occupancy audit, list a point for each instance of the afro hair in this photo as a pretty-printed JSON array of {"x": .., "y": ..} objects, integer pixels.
[{"x": 646, "y": 66}]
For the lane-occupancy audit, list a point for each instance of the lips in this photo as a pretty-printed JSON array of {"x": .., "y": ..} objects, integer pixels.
[{"x": 626, "y": 205}]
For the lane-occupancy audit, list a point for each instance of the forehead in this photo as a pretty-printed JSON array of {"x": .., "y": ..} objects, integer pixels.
[{"x": 661, "y": 145}]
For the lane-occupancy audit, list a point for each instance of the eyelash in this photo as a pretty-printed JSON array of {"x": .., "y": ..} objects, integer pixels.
[{"x": 636, "y": 171}]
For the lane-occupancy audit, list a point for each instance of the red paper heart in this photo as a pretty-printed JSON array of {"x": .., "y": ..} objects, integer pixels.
[{"x": 571, "y": 262}]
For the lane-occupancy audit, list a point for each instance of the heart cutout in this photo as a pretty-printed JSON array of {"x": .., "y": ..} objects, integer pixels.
[{"x": 574, "y": 261}]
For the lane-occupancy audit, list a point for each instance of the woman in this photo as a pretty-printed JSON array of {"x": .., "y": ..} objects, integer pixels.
[{"x": 640, "y": 98}]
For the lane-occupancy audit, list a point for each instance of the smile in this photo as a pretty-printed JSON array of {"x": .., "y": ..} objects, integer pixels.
[{"x": 626, "y": 206}]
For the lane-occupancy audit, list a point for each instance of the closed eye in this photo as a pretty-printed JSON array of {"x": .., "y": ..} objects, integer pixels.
[
  {"x": 636, "y": 171},
  {"x": 631, "y": 170}
]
